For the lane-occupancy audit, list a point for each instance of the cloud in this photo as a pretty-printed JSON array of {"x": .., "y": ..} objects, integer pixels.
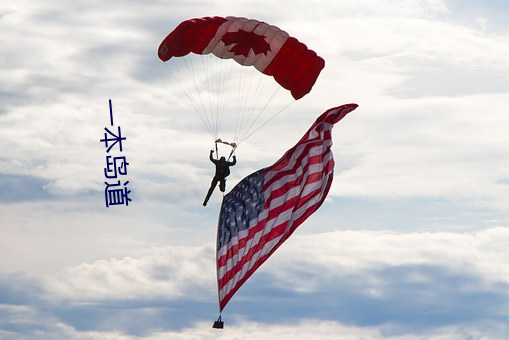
[
  {"x": 168, "y": 273},
  {"x": 388, "y": 54},
  {"x": 305, "y": 329},
  {"x": 379, "y": 283},
  {"x": 420, "y": 178},
  {"x": 412, "y": 281},
  {"x": 477, "y": 253},
  {"x": 22, "y": 188},
  {"x": 55, "y": 234},
  {"x": 448, "y": 158},
  {"x": 315, "y": 329}
]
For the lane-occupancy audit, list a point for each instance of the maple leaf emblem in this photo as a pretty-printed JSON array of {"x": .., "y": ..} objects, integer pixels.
[{"x": 246, "y": 41}]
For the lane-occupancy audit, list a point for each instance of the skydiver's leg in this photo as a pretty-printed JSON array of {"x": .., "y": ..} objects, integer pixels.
[
  {"x": 211, "y": 190},
  {"x": 222, "y": 184}
]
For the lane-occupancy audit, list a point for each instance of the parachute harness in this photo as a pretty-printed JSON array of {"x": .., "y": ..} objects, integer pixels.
[{"x": 233, "y": 145}]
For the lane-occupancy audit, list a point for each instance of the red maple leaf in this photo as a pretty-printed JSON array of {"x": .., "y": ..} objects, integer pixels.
[{"x": 246, "y": 41}]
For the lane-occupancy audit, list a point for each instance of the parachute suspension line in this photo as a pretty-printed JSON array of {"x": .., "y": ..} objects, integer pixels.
[
  {"x": 245, "y": 111},
  {"x": 267, "y": 121},
  {"x": 252, "y": 121},
  {"x": 205, "y": 66},
  {"x": 213, "y": 91},
  {"x": 215, "y": 86},
  {"x": 255, "y": 85},
  {"x": 191, "y": 70},
  {"x": 218, "y": 75},
  {"x": 224, "y": 69},
  {"x": 211, "y": 84},
  {"x": 188, "y": 96},
  {"x": 253, "y": 99},
  {"x": 196, "y": 97},
  {"x": 234, "y": 146},
  {"x": 232, "y": 152},
  {"x": 239, "y": 110}
]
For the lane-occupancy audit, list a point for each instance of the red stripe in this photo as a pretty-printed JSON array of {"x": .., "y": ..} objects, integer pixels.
[
  {"x": 312, "y": 159},
  {"x": 278, "y": 167},
  {"x": 242, "y": 242},
  {"x": 324, "y": 134},
  {"x": 298, "y": 181},
  {"x": 274, "y": 233},
  {"x": 273, "y": 213},
  {"x": 221, "y": 283},
  {"x": 241, "y": 281},
  {"x": 255, "y": 229},
  {"x": 260, "y": 226},
  {"x": 296, "y": 203}
]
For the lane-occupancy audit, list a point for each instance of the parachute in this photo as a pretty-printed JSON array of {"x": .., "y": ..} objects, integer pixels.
[
  {"x": 199, "y": 52},
  {"x": 238, "y": 74}
]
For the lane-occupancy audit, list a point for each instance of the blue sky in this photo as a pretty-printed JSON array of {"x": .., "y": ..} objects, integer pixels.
[{"x": 412, "y": 242}]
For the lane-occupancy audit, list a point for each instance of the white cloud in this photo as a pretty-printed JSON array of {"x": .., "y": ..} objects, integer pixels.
[
  {"x": 387, "y": 50},
  {"x": 306, "y": 329},
  {"x": 432, "y": 89},
  {"x": 44, "y": 237},
  {"x": 446, "y": 147},
  {"x": 318, "y": 329},
  {"x": 437, "y": 274},
  {"x": 307, "y": 263},
  {"x": 162, "y": 273},
  {"x": 339, "y": 253}
]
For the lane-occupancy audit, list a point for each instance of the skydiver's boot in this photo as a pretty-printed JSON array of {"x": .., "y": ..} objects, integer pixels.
[
  {"x": 209, "y": 193},
  {"x": 207, "y": 198}
]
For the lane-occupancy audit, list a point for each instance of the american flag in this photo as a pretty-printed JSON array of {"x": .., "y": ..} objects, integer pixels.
[{"x": 266, "y": 207}]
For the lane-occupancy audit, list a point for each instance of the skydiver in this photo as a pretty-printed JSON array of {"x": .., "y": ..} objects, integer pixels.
[{"x": 222, "y": 171}]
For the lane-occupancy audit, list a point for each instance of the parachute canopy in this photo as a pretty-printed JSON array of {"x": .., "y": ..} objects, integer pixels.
[{"x": 250, "y": 43}]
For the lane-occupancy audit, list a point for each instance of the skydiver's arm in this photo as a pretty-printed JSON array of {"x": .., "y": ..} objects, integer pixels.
[
  {"x": 210, "y": 156},
  {"x": 234, "y": 161}
]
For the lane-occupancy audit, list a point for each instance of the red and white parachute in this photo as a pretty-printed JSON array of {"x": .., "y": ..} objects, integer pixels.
[{"x": 238, "y": 99}]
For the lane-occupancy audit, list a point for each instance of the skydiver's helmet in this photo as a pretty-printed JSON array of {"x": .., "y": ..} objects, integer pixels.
[{"x": 222, "y": 159}]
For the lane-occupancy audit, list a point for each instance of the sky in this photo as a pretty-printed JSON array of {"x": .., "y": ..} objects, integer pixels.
[{"x": 411, "y": 243}]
